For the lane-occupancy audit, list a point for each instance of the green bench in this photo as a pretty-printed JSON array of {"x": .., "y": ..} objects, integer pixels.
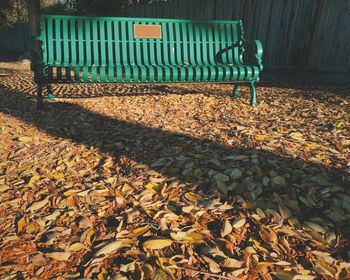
[{"x": 144, "y": 50}]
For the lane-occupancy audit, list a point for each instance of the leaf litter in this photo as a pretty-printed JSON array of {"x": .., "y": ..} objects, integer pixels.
[{"x": 172, "y": 186}]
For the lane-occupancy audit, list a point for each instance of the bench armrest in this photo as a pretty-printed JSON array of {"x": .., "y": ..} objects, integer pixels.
[{"x": 252, "y": 53}]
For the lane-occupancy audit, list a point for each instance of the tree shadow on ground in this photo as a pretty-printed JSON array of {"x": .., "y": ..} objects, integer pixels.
[{"x": 179, "y": 155}]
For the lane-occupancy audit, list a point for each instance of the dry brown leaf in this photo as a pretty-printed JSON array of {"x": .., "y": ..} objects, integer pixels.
[
  {"x": 239, "y": 223},
  {"x": 268, "y": 235},
  {"x": 227, "y": 228},
  {"x": 231, "y": 263},
  {"x": 187, "y": 237},
  {"x": 59, "y": 256},
  {"x": 110, "y": 248},
  {"x": 154, "y": 244},
  {"x": 285, "y": 212},
  {"x": 38, "y": 205}
]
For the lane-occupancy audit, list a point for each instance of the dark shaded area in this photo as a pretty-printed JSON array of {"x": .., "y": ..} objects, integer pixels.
[{"x": 298, "y": 79}]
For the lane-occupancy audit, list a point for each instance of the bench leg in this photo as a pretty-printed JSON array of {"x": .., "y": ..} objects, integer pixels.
[
  {"x": 50, "y": 94},
  {"x": 39, "y": 96},
  {"x": 235, "y": 92},
  {"x": 253, "y": 94}
]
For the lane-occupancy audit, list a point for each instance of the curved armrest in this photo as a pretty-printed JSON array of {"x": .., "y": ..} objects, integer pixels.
[{"x": 255, "y": 53}]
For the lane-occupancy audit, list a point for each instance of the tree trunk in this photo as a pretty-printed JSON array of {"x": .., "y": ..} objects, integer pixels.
[{"x": 33, "y": 7}]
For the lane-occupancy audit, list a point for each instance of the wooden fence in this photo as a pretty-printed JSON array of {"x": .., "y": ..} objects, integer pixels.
[
  {"x": 15, "y": 39},
  {"x": 303, "y": 34}
]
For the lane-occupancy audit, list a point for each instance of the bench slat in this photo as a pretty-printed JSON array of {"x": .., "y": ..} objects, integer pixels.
[
  {"x": 73, "y": 42},
  {"x": 50, "y": 59},
  {"x": 57, "y": 39}
]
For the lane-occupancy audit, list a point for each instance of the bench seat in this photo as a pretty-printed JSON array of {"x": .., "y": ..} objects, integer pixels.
[{"x": 150, "y": 73}]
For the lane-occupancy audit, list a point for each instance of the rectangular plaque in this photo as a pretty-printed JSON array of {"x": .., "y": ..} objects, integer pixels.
[{"x": 147, "y": 31}]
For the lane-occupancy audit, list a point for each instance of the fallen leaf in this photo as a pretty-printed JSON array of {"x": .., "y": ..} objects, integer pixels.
[
  {"x": 76, "y": 247},
  {"x": 25, "y": 139},
  {"x": 231, "y": 263},
  {"x": 127, "y": 267},
  {"x": 239, "y": 223},
  {"x": 136, "y": 232},
  {"x": 22, "y": 222},
  {"x": 268, "y": 235},
  {"x": 227, "y": 228},
  {"x": 110, "y": 248},
  {"x": 38, "y": 205},
  {"x": 58, "y": 256},
  {"x": 154, "y": 244}
]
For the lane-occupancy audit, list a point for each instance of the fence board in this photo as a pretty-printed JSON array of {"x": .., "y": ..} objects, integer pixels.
[{"x": 305, "y": 34}]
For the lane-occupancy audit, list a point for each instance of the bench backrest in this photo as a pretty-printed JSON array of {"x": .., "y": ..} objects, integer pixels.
[{"x": 101, "y": 41}]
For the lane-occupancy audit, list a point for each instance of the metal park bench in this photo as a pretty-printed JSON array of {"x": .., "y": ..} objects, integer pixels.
[{"x": 144, "y": 50}]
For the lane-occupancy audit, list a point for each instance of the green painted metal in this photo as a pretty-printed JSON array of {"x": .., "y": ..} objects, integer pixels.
[
  {"x": 235, "y": 92},
  {"x": 253, "y": 94},
  {"x": 104, "y": 49}
]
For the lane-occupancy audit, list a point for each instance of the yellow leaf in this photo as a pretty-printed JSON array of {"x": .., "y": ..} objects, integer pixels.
[
  {"x": 32, "y": 180},
  {"x": 187, "y": 237},
  {"x": 261, "y": 137},
  {"x": 110, "y": 248},
  {"x": 57, "y": 175},
  {"x": 76, "y": 247},
  {"x": 89, "y": 235},
  {"x": 103, "y": 275},
  {"x": 152, "y": 186},
  {"x": 154, "y": 244},
  {"x": 25, "y": 139},
  {"x": 138, "y": 231}
]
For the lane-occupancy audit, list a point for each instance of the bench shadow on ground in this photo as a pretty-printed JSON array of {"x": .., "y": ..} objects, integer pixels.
[
  {"x": 110, "y": 90},
  {"x": 147, "y": 145}
]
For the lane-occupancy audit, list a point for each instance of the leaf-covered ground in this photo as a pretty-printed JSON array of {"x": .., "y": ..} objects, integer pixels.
[{"x": 173, "y": 182}]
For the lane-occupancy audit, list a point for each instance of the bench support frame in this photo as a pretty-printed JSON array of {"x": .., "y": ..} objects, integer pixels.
[
  {"x": 235, "y": 91},
  {"x": 253, "y": 94}
]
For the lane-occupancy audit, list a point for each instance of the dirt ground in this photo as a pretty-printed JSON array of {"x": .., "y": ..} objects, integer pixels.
[{"x": 173, "y": 181}]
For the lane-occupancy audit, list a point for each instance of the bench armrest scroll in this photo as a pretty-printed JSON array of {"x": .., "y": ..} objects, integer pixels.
[{"x": 252, "y": 53}]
